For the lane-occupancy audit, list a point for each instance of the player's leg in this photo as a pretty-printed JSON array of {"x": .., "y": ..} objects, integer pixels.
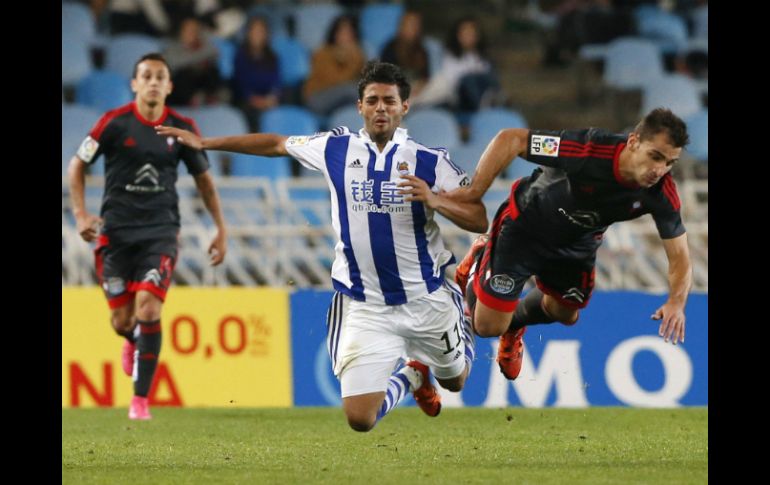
[
  {"x": 153, "y": 278},
  {"x": 564, "y": 288},
  {"x": 113, "y": 270},
  {"x": 364, "y": 351}
]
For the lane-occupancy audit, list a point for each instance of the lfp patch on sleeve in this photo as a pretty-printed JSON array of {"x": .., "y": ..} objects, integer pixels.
[
  {"x": 88, "y": 149},
  {"x": 294, "y": 141},
  {"x": 546, "y": 146}
]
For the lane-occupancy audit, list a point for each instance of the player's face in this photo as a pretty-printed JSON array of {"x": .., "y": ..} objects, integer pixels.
[
  {"x": 152, "y": 82},
  {"x": 382, "y": 109},
  {"x": 652, "y": 158}
]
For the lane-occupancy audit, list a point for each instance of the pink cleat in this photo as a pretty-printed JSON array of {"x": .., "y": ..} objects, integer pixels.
[
  {"x": 127, "y": 357},
  {"x": 139, "y": 409}
]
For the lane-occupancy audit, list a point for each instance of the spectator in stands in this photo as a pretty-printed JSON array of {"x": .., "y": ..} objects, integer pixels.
[
  {"x": 193, "y": 60},
  {"x": 256, "y": 77},
  {"x": 406, "y": 50},
  {"x": 392, "y": 298},
  {"x": 334, "y": 68},
  {"x": 554, "y": 222},
  {"x": 155, "y": 17},
  {"x": 137, "y": 233},
  {"x": 467, "y": 80}
]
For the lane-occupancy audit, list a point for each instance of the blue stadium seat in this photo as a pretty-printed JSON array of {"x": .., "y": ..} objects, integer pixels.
[
  {"x": 289, "y": 120},
  {"x": 293, "y": 59},
  {"x": 77, "y": 22},
  {"x": 467, "y": 155},
  {"x": 275, "y": 168},
  {"x": 379, "y": 23},
  {"x": 346, "y": 116},
  {"x": 676, "y": 92},
  {"x": 631, "y": 63},
  {"x": 276, "y": 15},
  {"x": 75, "y": 61},
  {"x": 76, "y": 122},
  {"x": 667, "y": 30},
  {"x": 698, "y": 129},
  {"x": 312, "y": 22},
  {"x": 519, "y": 168},
  {"x": 435, "y": 53},
  {"x": 433, "y": 127},
  {"x": 124, "y": 50},
  {"x": 103, "y": 90},
  {"x": 217, "y": 121},
  {"x": 485, "y": 124},
  {"x": 226, "y": 59}
]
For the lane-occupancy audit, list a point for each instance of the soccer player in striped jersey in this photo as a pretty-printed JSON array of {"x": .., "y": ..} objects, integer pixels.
[
  {"x": 392, "y": 299},
  {"x": 554, "y": 221}
]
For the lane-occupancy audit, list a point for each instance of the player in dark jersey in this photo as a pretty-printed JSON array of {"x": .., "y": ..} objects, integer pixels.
[
  {"x": 137, "y": 232},
  {"x": 554, "y": 221}
]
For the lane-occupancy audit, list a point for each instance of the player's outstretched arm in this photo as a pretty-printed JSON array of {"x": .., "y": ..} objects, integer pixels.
[
  {"x": 264, "y": 144},
  {"x": 671, "y": 313},
  {"x": 504, "y": 147},
  {"x": 468, "y": 215},
  {"x": 88, "y": 225},
  {"x": 218, "y": 246}
]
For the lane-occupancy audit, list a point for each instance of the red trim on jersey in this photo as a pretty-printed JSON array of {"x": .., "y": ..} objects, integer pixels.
[
  {"x": 555, "y": 294},
  {"x": 135, "y": 286},
  {"x": 147, "y": 122},
  {"x": 496, "y": 225},
  {"x": 100, "y": 125},
  {"x": 616, "y": 169},
  {"x": 571, "y": 148},
  {"x": 187, "y": 120},
  {"x": 119, "y": 301},
  {"x": 101, "y": 241},
  {"x": 669, "y": 190},
  {"x": 492, "y": 301},
  {"x": 513, "y": 209}
]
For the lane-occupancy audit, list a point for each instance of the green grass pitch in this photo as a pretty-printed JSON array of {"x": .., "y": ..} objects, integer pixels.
[{"x": 315, "y": 445}]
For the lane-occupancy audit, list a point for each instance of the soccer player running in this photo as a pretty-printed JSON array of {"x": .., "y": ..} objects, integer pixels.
[
  {"x": 137, "y": 231},
  {"x": 392, "y": 298},
  {"x": 554, "y": 221}
]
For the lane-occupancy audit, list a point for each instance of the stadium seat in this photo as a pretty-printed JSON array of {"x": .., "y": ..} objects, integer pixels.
[
  {"x": 276, "y": 15},
  {"x": 631, "y": 63},
  {"x": 226, "y": 59},
  {"x": 698, "y": 129},
  {"x": 379, "y": 23},
  {"x": 77, "y": 21},
  {"x": 467, "y": 155},
  {"x": 346, "y": 116},
  {"x": 217, "y": 121},
  {"x": 293, "y": 59},
  {"x": 312, "y": 22},
  {"x": 289, "y": 120},
  {"x": 433, "y": 127},
  {"x": 76, "y": 122},
  {"x": 103, "y": 90},
  {"x": 485, "y": 124},
  {"x": 274, "y": 168},
  {"x": 124, "y": 50},
  {"x": 676, "y": 92},
  {"x": 667, "y": 30},
  {"x": 435, "y": 53},
  {"x": 75, "y": 61}
]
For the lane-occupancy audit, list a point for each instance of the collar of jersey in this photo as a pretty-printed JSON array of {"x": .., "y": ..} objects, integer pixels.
[
  {"x": 399, "y": 136},
  {"x": 144, "y": 120}
]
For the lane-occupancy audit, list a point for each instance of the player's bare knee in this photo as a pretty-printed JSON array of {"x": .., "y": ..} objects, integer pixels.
[
  {"x": 453, "y": 385},
  {"x": 361, "y": 422},
  {"x": 489, "y": 328},
  {"x": 122, "y": 324},
  {"x": 148, "y": 306}
]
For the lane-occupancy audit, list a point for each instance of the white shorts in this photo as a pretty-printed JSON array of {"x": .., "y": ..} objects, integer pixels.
[{"x": 366, "y": 341}]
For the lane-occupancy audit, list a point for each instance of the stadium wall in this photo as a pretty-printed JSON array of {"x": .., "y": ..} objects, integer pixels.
[{"x": 265, "y": 347}]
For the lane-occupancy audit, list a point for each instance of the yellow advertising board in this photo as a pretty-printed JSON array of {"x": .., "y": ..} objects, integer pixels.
[{"x": 222, "y": 347}]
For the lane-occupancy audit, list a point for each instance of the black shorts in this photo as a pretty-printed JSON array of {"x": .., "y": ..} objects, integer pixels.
[
  {"x": 125, "y": 267},
  {"x": 511, "y": 256}
]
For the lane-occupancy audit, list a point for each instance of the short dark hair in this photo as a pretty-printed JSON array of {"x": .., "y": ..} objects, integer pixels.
[
  {"x": 663, "y": 120},
  {"x": 152, "y": 56},
  {"x": 385, "y": 73}
]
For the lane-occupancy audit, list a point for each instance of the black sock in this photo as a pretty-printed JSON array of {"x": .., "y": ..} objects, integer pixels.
[
  {"x": 530, "y": 311},
  {"x": 148, "y": 347},
  {"x": 129, "y": 335}
]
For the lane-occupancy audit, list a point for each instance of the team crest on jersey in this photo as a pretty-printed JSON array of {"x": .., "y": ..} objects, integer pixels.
[
  {"x": 294, "y": 141},
  {"x": 502, "y": 283},
  {"x": 114, "y": 286},
  {"x": 88, "y": 149},
  {"x": 546, "y": 146},
  {"x": 403, "y": 168}
]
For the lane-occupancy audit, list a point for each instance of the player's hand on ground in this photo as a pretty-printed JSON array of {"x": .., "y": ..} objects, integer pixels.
[
  {"x": 416, "y": 189},
  {"x": 217, "y": 249},
  {"x": 89, "y": 226},
  {"x": 672, "y": 324},
  {"x": 182, "y": 136}
]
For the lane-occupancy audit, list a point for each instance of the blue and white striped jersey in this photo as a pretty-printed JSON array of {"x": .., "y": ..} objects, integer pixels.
[{"x": 388, "y": 250}]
